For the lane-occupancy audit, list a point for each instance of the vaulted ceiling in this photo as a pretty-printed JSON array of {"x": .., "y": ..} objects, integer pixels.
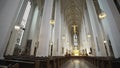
[{"x": 73, "y": 13}]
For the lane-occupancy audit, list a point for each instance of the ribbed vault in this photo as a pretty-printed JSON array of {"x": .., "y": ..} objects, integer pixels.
[{"x": 73, "y": 13}]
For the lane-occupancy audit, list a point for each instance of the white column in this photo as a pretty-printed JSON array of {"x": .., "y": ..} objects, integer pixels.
[
  {"x": 33, "y": 24},
  {"x": 91, "y": 39},
  {"x": 111, "y": 24},
  {"x": 44, "y": 36},
  {"x": 65, "y": 32},
  {"x": 62, "y": 34},
  {"x": 35, "y": 39},
  {"x": 57, "y": 33},
  {"x": 33, "y": 31},
  {"x": 100, "y": 50}
]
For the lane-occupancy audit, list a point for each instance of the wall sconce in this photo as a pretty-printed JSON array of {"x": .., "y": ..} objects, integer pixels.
[
  {"x": 88, "y": 35},
  {"x": 105, "y": 41},
  {"x": 102, "y": 15},
  {"x": 51, "y": 43},
  {"x": 52, "y": 22},
  {"x": 18, "y": 27}
]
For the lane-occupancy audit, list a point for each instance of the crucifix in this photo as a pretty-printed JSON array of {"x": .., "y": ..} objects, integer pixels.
[{"x": 74, "y": 28}]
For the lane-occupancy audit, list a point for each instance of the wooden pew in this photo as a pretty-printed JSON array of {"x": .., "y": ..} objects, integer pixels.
[
  {"x": 37, "y": 62},
  {"x": 116, "y": 63},
  {"x": 4, "y": 64},
  {"x": 100, "y": 62}
]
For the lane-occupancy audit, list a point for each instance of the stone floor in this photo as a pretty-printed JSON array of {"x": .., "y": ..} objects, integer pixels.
[{"x": 77, "y": 63}]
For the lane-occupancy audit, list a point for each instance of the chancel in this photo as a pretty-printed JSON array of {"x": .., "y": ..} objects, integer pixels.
[{"x": 60, "y": 34}]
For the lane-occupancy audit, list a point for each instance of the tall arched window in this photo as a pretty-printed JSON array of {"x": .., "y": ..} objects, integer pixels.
[
  {"x": 23, "y": 23},
  {"x": 14, "y": 43},
  {"x": 75, "y": 39}
]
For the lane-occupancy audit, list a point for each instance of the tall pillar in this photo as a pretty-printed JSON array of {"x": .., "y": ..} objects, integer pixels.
[
  {"x": 63, "y": 36},
  {"x": 100, "y": 50},
  {"x": 44, "y": 36},
  {"x": 31, "y": 33},
  {"x": 88, "y": 37},
  {"x": 111, "y": 24},
  {"x": 91, "y": 39},
  {"x": 35, "y": 39},
  {"x": 57, "y": 33}
]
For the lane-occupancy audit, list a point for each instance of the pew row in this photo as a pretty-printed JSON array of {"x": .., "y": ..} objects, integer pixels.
[
  {"x": 57, "y": 61},
  {"x": 35, "y": 62}
]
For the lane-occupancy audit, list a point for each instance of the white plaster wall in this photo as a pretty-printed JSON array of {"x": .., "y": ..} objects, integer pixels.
[
  {"x": 111, "y": 24},
  {"x": 2, "y": 3},
  {"x": 8, "y": 10}
]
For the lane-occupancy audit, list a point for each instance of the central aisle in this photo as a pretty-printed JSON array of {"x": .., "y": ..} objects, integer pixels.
[{"x": 76, "y": 63}]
